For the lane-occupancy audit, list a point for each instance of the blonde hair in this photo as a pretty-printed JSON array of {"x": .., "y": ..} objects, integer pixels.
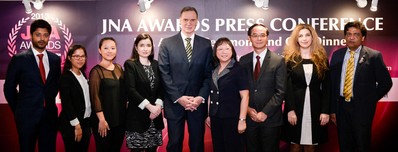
[{"x": 291, "y": 51}]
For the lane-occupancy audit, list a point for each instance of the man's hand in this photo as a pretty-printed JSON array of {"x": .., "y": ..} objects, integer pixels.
[
  {"x": 252, "y": 114},
  {"x": 186, "y": 102},
  {"x": 261, "y": 116}
]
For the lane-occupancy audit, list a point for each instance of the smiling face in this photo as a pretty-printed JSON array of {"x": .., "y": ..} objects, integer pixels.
[
  {"x": 188, "y": 21},
  {"x": 224, "y": 53},
  {"x": 304, "y": 38},
  {"x": 259, "y": 38},
  {"x": 144, "y": 48},
  {"x": 40, "y": 39},
  {"x": 108, "y": 50},
  {"x": 78, "y": 59}
]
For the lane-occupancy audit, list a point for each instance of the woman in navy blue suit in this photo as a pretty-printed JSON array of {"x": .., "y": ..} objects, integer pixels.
[
  {"x": 75, "y": 100},
  {"x": 229, "y": 99},
  {"x": 144, "y": 120}
]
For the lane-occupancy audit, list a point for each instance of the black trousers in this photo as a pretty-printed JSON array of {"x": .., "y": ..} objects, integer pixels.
[
  {"x": 262, "y": 138},
  {"x": 112, "y": 142},
  {"x": 44, "y": 133},
  {"x": 196, "y": 130},
  {"x": 225, "y": 136},
  {"x": 68, "y": 136},
  {"x": 354, "y": 133}
]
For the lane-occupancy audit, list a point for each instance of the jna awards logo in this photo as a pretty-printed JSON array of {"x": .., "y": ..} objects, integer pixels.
[{"x": 19, "y": 36}]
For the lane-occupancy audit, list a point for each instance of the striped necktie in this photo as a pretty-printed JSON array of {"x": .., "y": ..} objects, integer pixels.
[
  {"x": 349, "y": 76},
  {"x": 188, "y": 48}
]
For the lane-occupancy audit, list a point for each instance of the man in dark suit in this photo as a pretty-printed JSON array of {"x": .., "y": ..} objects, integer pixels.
[
  {"x": 30, "y": 88},
  {"x": 354, "y": 99},
  {"x": 185, "y": 68},
  {"x": 267, "y": 91}
]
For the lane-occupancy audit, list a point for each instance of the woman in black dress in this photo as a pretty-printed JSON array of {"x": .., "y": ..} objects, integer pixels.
[
  {"x": 144, "y": 120},
  {"x": 107, "y": 99}
]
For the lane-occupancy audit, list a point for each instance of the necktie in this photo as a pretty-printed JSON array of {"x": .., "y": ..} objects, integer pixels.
[
  {"x": 188, "y": 48},
  {"x": 41, "y": 68},
  {"x": 257, "y": 68},
  {"x": 349, "y": 76}
]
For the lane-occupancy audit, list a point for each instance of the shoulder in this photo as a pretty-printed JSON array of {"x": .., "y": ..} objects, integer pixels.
[
  {"x": 246, "y": 57},
  {"x": 339, "y": 51},
  {"x": 22, "y": 54},
  {"x": 201, "y": 38},
  {"x": 128, "y": 62},
  {"x": 154, "y": 63},
  {"x": 118, "y": 66},
  {"x": 66, "y": 76},
  {"x": 276, "y": 58},
  {"x": 370, "y": 51},
  {"x": 171, "y": 38},
  {"x": 95, "y": 68},
  {"x": 238, "y": 67}
]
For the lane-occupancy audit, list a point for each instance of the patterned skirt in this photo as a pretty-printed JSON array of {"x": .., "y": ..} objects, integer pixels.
[{"x": 150, "y": 138}]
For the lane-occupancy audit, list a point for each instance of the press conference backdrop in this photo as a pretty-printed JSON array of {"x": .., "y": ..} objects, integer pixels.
[{"x": 86, "y": 22}]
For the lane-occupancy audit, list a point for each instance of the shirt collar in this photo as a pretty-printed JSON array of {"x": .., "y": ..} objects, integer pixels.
[{"x": 35, "y": 52}]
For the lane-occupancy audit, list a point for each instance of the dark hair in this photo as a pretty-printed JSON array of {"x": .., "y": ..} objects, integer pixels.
[
  {"x": 40, "y": 24},
  {"x": 220, "y": 41},
  {"x": 189, "y": 8},
  {"x": 71, "y": 50},
  {"x": 356, "y": 24},
  {"x": 142, "y": 36},
  {"x": 104, "y": 39},
  {"x": 249, "y": 32}
]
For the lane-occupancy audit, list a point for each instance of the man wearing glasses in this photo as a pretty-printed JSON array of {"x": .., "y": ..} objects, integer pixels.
[{"x": 267, "y": 76}]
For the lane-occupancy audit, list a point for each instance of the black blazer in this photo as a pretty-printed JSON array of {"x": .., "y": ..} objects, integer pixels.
[
  {"x": 371, "y": 82},
  {"x": 72, "y": 100},
  {"x": 181, "y": 77},
  {"x": 295, "y": 96},
  {"x": 268, "y": 92},
  {"x": 138, "y": 88},
  {"x": 27, "y": 104},
  {"x": 225, "y": 99}
]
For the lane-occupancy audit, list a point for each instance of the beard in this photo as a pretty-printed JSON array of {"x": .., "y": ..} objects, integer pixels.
[{"x": 41, "y": 45}]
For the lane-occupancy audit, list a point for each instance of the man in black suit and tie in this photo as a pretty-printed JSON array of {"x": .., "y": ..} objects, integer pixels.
[
  {"x": 267, "y": 79},
  {"x": 359, "y": 80},
  {"x": 30, "y": 88},
  {"x": 185, "y": 69}
]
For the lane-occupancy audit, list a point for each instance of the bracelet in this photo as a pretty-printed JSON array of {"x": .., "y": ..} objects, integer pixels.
[{"x": 242, "y": 119}]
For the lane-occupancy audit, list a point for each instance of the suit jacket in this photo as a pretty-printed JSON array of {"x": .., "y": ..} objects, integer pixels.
[
  {"x": 72, "y": 100},
  {"x": 371, "y": 82},
  {"x": 181, "y": 77},
  {"x": 268, "y": 92},
  {"x": 138, "y": 88},
  {"x": 295, "y": 96},
  {"x": 27, "y": 103},
  {"x": 225, "y": 99}
]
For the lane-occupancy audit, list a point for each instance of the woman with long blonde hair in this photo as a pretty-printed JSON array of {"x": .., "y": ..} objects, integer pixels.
[{"x": 306, "y": 110}]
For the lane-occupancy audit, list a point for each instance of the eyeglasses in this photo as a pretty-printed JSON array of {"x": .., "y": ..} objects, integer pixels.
[
  {"x": 79, "y": 56},
  {"x": 258, "y": 35}
]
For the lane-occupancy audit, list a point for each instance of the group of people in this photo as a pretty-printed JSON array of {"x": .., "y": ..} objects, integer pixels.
[{"x": 250, "y": 104}]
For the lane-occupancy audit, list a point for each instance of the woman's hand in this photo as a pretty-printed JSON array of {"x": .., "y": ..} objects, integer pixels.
[
  {"x": 103, "y": 128},
  {"x": 292, "y": 118}
]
